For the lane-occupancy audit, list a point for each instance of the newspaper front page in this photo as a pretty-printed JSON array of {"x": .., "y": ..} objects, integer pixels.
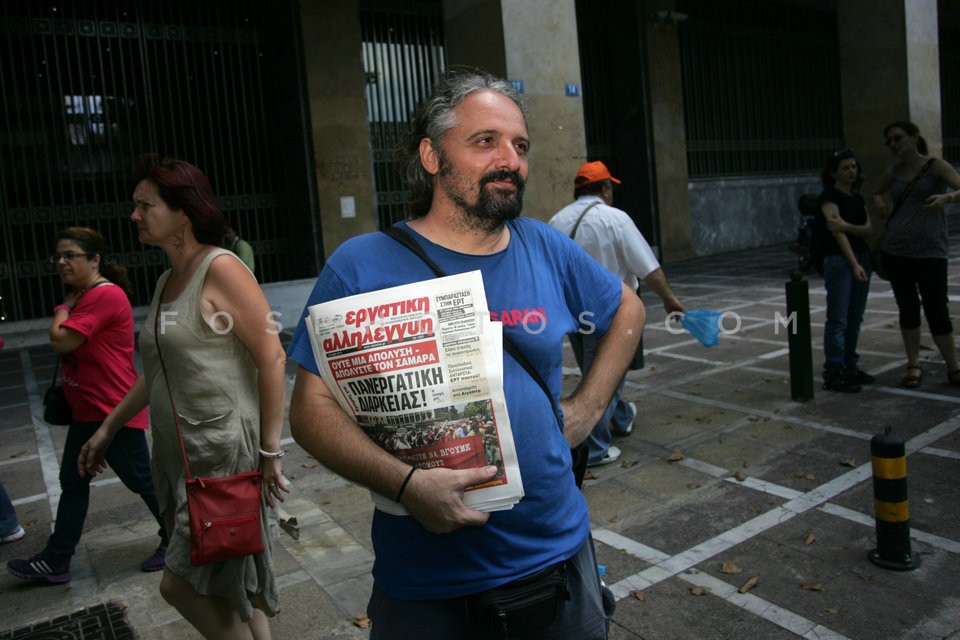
[{"x": 420, "y": 368}]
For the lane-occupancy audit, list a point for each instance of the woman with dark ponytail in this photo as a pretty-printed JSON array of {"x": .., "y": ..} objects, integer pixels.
[
  {"x": 92, "y": 330},
  {"x": 914, "y": 247}
]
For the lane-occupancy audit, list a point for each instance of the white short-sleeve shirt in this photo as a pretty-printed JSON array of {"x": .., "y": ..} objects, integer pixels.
[{"x": 610, "y": 236}]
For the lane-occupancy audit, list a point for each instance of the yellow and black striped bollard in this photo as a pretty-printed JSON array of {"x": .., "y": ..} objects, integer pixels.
[{"x": 891, "y": 507}]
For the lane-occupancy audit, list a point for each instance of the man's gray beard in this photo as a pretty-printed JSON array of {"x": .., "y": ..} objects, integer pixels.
[{"x": 492, "y": 208}]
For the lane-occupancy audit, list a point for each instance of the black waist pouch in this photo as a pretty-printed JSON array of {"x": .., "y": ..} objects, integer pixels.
[{"x": 521, "y": 606}]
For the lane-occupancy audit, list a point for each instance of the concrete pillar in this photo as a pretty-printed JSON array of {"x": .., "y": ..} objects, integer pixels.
[
  {"x": 533, "y": 41},
  {"x": 668, "y": 133},
  {"x": 341, "y": 136},
  {"x": 889, "y": 70}
]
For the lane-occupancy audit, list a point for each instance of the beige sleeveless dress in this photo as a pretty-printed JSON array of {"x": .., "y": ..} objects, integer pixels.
[{"x": 214, "y": 382}]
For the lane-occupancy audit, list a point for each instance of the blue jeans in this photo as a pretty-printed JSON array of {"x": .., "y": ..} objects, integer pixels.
[
  {"x": 8, "y": 516},
  {"x": 617, "y": 415},
  {"x": 128, "y": 456},
  {"x": 586, "y": 616},
  {"x": 846, "y": 302}
]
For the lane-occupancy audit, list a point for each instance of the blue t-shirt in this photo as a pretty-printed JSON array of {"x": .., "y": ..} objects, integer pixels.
[{"x": 543, "y": 272}]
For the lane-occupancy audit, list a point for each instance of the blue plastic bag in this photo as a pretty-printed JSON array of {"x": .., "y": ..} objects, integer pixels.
[{"x": 704, "y": 325}]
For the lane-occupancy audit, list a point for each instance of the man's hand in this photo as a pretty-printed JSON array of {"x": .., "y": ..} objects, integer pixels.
[
  {"x": 673, "y": 305},
  {"x": 435, "y": 498}
]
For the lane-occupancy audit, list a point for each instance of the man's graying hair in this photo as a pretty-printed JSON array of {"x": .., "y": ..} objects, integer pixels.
[{"x": 433, "y": 119}]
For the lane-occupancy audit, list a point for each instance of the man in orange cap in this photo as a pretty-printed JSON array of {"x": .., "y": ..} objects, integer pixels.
[{"x": 610, "y": 236}]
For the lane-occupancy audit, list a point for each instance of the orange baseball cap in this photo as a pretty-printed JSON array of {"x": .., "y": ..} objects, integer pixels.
[{"x": 593, "y": 172}]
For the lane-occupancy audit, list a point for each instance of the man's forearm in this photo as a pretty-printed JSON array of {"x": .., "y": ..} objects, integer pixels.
[{"x": 614, "y": 353}]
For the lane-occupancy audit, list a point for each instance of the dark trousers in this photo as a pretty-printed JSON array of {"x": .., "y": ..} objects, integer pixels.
[
  {"x": 128, "y": 456},
  {"x": 916, "y": 283},
  {"x": 584, "y": 617}
]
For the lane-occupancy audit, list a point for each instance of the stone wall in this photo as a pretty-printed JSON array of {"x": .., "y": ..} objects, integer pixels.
[{"x": 739, "y": 213}]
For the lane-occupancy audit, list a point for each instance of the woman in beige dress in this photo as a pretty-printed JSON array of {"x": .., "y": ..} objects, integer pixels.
[{"x": 225, "y": 367}]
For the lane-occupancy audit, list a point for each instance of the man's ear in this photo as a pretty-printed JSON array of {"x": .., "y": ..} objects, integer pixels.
[{"x": 429, "y": 157}]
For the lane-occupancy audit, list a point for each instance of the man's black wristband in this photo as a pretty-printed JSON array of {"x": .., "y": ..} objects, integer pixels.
[{"x": 404, "y": 485}]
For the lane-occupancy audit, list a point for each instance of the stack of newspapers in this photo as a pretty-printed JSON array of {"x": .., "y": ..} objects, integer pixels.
[{"x": 420, "y": 369}]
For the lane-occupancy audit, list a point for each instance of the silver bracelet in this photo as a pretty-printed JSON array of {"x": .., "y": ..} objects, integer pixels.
[{"x": 274, "y": 454}]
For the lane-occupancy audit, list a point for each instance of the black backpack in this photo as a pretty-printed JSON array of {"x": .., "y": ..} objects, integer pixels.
[{"x": 809, "y": 206}]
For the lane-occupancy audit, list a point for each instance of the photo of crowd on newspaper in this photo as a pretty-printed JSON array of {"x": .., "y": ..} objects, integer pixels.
[{"x": 457, "y": 437}]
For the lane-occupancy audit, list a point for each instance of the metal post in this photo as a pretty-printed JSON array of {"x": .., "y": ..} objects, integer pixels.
[
  {"x": 891, "y": 507},
  {"x": 798, "y": 339}
]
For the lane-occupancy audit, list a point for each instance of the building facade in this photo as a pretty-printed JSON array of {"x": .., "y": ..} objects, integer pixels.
[{"x": 715, "y": 114}]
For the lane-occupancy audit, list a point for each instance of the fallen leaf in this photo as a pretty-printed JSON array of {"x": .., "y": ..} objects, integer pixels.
[
  {"x": 809, "y": 538},
  {"x": 832, "y": 610},
  {"x": 362, "y": 621},
  {"x": 310, "y": 464},
  {"x": 811, "y": 586},
  {"x": 746, "y": 464},
  {"x": 798, "y": 474},
  {"x": 693, "y": 485},
  {"x": 290, "y": 526},
  {"x": 626, "y": 464},
  {"x": 755, "y": 508},
  {"x": 848, "y": 462},
  {"x": 865, "y": 577},
  {"x": 810, "y": 476},
  {"x": 740, "y": 475},
  {"x": 729, "y": 566},
  {"x": 639, "y": 595},
  {"x": 589, "y": 475},
  {"x": 676, "y": 456},
  {"x": 698, "y": 590},
  {"x": 614, "y": 518},
  {"x": 749, "y": 584}
]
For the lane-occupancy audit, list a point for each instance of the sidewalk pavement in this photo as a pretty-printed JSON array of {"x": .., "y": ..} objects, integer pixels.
[{"x": 724, "y": 479}]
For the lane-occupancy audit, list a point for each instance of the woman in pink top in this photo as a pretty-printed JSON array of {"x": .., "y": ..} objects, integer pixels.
[{"x": 92, "y": 330}]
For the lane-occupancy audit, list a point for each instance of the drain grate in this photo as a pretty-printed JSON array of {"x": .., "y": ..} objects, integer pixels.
[{"x": 102, "y": 622}]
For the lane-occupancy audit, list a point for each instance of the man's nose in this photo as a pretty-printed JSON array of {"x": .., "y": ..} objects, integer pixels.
[{"x": 508, "y": 157}]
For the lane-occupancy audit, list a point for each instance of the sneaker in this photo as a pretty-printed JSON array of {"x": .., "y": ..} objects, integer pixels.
[
  {"x": 859, "y": 377},
  {"x": 157, "y": 561},
  {"x": 612, "y": 455},
  {"x": 39, "y": 569},
  {"x": 13, "y": 536},
  {"x": 842, "y": 384},
  {"x": 629, "y": 428}
]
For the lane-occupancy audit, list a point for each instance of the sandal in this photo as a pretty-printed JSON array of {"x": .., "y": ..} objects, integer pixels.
[
  {"x": 953, "y": 377},
  {"x": 915, "y": 376}
]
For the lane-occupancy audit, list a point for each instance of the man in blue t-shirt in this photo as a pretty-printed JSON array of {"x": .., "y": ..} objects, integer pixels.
[{"x": 466, "y": 165}]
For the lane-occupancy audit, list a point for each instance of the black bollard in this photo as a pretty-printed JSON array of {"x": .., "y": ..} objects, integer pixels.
[
  {"x": 798, "y": 338},
  {"x": 891, "y": 507}
]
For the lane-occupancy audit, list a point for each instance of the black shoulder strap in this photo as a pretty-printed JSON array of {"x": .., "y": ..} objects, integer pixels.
[
  {"x": 573, "y": 232},
  {"x": 909, "y": 187},
  {"x": 411, "y": 243}
]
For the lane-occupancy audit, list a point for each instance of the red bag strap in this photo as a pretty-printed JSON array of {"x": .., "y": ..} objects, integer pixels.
[{"x": 163, "y": 367}]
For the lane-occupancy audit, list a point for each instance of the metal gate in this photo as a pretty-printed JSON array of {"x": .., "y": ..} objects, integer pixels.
[
  {"x": 87, "y": 85},
  {"x": 616, "y": 117},
  {"x": 403, "y": 55}
]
